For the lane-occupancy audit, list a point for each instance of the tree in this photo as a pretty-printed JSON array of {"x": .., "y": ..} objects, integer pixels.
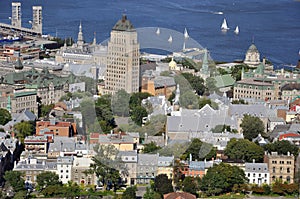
[
  {"x": 107, "y": 166},
  {"x": 196, "y": 82},
  {"x": 203, "y": 101},
  {"x": 252, "y": 126},
  {"x": 54, "y": 190},
  {"x": 120, "y": 103},
  {"x": 282, "y": 147},
  {"x": 189, "y": 100},
  {"x": 24, "y": 129},
  {"x": 45, "y": 109},
  {"x": 129, "y": 193},
  {"x": 47, "y": 178},
  {"x": 221, "y": 178},
  {"x": 14, "y": 178},
  {"x": 4, "y": 116},
  {"x": 136, "y": 99},
  {"x": 245, "y": 150},
  {"x": 189, "y": 185},
  {"x": 137, "y": 114},
  {"x": 199, "y": 150},
  {"x": 211, "y": 85},
  {"x": 162, "y": 184},
  {"x": 151, "y": 147},
  {"x": 150, "y": 194}
]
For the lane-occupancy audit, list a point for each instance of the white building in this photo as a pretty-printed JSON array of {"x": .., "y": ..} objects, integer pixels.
[
  {"x": 257, "y": 173},
  {"x": 64, "y": 168}
]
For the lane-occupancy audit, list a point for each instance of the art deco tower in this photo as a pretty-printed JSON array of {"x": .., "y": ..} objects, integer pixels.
[
  {"x": 16, "y": 14},
  {"x": 37, "y": 23},
  {"x": 122, "y": 59}
]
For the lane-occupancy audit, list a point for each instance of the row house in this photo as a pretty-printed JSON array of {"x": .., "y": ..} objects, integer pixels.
[
  {"x": 257, "y": 173},
  {"x": 57, "y": 128}
]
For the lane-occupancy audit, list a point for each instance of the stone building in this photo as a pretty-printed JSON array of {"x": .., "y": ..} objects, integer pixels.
[
  {"x": 252, "y": 57},
  {"x": 281, "y": 167},
  {"x": 123, "y": 58},
  {"x": 78, "y": 171}
]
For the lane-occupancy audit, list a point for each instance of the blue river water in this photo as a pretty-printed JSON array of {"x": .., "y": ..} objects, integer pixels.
[{"x": 274, "y": 26}]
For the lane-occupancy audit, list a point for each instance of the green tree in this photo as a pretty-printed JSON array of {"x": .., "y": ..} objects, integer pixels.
[
  {"x": 14, "y": 178},
  {"x": 151, "y": 148},
  {"x": 137, "y": 114},
  {"x": 129, "y": 193},
  {"x": 54, "y": 190},
  {"x": 211, "y": 85},
  {"x": 282, "y": 147},
  {"x": 4, "y": 116},
  {"x": 189, "y": 100},
  {"x": 221, "y": 178},
  {"x": 47, "y": 178},
  {"x": 190, "y": 185},
  {"x": 150, "y": 194},
  {"x": 245, "y": 150},
  {"x": 252, "y": 126},
  {"x": 162, "y": 184},
  {"x": 45, "y": 109},
  {"x": 107, "y": 165},
  {"x": 236, "y": 71},
  {"x": 120, "y": 103},
  {"x": 24, "y": 129},
  {"x": 136, "y": 99},
  {"x": 203, "y": 101},
  {"x": 199, "y": 150},
  {"x": 196, "y": 82},
  {"x": 20, "y": 195}
]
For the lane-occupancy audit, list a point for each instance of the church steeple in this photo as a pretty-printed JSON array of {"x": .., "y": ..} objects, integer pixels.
[
  {"x": 80, "y": 36},
  {"x": 204, "y": 70}
]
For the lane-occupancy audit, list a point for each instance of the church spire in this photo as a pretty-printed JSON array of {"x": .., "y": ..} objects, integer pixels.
[
  {"x": 80, "y": 36},
  {"x": 204, "y": 69},
  {"x": 8, "y": 106}
]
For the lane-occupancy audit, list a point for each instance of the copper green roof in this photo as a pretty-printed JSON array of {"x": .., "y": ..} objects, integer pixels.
[
  {"x": 252, "y": 48},
  {"x": 224, "y": 81},
  {"x": 26, "y": 93},
  {"x": 123, "y": 25}
]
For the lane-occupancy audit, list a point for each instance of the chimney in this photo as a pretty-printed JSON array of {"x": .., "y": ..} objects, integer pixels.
[
  {"x": 191, "y": 158},
  {"x": 288, "y": 153},
  {"x": 253, "y": 160}
]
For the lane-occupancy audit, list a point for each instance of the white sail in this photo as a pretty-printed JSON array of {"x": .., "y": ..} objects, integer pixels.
[
  {"x": 186, "y": 34},
  {"x": 224, "y": 25},
  {"x": 237, "y": 30},
  {"x": 170, "y": 39},
  {"x": 158, "y": 31}
]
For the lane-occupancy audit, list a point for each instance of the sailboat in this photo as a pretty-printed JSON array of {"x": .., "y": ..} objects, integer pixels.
[
  {"x": 170, "y": 39},
  {"x": 158, "y": 31},
  {"x": 237, "y": 30},
  {"x": 224, "y": 26},
  {"x": 186, "y": 34}
]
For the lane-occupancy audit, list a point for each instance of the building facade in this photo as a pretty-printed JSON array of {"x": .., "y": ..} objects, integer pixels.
[{"x": 122, "y": 59}]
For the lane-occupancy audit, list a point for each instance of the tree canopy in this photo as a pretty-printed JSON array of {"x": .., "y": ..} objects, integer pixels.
[
  {"x": 190, "y": 185},
  {"x": 47, "y": 178},
  {"x": 151, "y": 148},
  {"x": 120, "y": 103},
  {"x": 107, "y": 166},
  {"x": 4, "y": 116},
  {"x": 24, "y": 129},
  {"x": 129, "y": 193},
  {"x": 252, "y": 126},
  {"x": 282, "y": 147},
  {"x": 14, "y": 178},
  {"x": 199, "y": 150},
  {"x": 196, "y": 82},
  {"x": 162, "y": 184},
  {"x": 221, "y": 178},
  {"x": 245, "y": 150}
]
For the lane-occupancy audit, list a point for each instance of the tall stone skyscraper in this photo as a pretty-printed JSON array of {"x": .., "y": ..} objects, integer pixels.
[{"x": 122, "y": 59}]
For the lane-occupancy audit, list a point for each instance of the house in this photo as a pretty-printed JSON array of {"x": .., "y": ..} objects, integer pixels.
[
  {"x": 130, "y": 159},
  {"x": 274, "y": 121},
  {"x": 257, "y": 173},
  {"x": 165, "y": 166},
  {"x": 56, "y": 128},
  {"x": 37, "y": 144},
  {"x": 64, "y": 168},
  {"x": 121, "y": 141},
  {"x": 146, "y": 168},
  {"x": 281, "y": 167},
  {"x": 78, "y": 171}
]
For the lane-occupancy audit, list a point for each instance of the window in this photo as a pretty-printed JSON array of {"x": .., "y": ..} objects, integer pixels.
[
  {"x": 288, "y": 170},
  {"x": 274, "y": 170}
]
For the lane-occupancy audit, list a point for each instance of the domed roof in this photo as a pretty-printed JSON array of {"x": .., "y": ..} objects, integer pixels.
[
  {"x": 252, "y": 48},
  {"x": 172, "y": 64},
  {"x": 123, "y": 24}
]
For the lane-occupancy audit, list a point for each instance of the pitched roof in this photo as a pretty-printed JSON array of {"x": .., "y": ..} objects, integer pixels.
[
  {"x": 179, "y": 195},
  {"x": 224, "y": 81},
  {"x": 256, "y": 167}
]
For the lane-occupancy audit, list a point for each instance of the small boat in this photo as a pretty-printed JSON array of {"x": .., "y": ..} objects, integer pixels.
[
  {"x": 10, "y": 38},
  {"x": 237, "y": 30},
  {"x": 186, "y": 34},
  {"x": 170, "y": 39},
  {"x": 224, "y": 26},
  {"x": 158, "y": 31}
]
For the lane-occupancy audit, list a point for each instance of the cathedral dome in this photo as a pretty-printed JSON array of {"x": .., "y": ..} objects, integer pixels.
[{"x": 252, "y": 48}]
